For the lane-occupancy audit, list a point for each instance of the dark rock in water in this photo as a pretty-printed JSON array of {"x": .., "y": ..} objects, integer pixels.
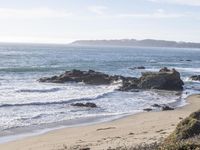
[
  {"x": 147, "y": 109},
  {"x": 195, "y": 77},
  {"x": 165, "y": 69},
  {"x": 140, "y": 67},
  {"x": 156, "y": 105},
  {"x": 185, "y": 60},
  {"x": 165, "y": 79},
  {"x": 165, "y": 108},
  {"x": 169, "y": 80},
  {"x": 88, "y": 77},
  {"x": 91, "y": 105}
]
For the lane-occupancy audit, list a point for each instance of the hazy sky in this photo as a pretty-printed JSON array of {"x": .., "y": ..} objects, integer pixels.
[{"x": 62, "y": 21}]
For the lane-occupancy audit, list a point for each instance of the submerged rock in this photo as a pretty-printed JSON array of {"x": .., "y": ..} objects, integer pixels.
[
  {"x": 140, "y": 67},
  {"x": 195, "y": 77},
  {"x": 185, "y": 60},
  {"x": 91, "y": 105}
]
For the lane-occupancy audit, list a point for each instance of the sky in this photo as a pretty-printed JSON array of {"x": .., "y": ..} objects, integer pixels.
[{"x": 64, "y": 21}]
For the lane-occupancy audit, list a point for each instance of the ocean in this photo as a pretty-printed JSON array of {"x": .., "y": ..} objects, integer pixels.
[{"x": 27, "y": 105}]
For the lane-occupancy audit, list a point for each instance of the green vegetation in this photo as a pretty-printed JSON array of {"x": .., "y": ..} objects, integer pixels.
[
  {"x": 186, "y": 129},
  {"x": 186, "y": 135}
]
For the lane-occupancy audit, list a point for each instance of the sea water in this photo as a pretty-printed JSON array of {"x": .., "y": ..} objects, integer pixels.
[{"x": 27, "y": 104}]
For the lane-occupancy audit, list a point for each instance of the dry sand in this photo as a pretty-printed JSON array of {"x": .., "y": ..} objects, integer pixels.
[{"x": 129, "y": 131}]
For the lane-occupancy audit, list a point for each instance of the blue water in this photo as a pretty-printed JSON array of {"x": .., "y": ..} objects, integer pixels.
[{"x": 25, "y": 102}]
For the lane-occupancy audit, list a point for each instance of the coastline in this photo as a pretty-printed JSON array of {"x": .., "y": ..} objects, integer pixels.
[{"x": 145, "y": 127}]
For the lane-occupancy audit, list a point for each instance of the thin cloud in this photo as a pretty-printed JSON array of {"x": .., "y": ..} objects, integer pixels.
[
  {"x": 33, "y": 13},
  {"x": 179, "y": 2},
  {"x": 159, "y": 14},
  {"x": 99, "y": 10}
]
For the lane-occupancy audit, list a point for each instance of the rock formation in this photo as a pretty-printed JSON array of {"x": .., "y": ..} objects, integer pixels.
[
  {"x": 195, "y": 77},
  {"x": 165, "y": 79}
]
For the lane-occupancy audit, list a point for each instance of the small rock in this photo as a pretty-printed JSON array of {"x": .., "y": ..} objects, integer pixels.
[
  {"x": 147, "y": 109},
  {"x": 165, "y": 108},
  {"x": 87, "y": 148},
  {"x": 131, "y": 133},
  {"x": 91, "y": 105},
  {"x": 140, "y": 67}
]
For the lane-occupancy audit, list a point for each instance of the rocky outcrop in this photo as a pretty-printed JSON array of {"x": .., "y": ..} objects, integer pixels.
[
  {"x": 195, "y": 77},
  {"x": 91, "y": 105},
  {"x": 165, "y": 79},
  {"x": 88, "y": 77},
  {"x": 169, "y": 80}
]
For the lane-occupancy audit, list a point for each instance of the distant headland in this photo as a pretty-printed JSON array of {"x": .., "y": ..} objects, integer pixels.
[{"x": 136, "y": 43}]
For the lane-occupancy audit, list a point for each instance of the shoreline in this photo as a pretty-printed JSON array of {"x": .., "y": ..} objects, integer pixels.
[
  {"x": 36, "y": 130},
  {"x": 145, "y": 127},
  {"x": 19, "y": 134}
]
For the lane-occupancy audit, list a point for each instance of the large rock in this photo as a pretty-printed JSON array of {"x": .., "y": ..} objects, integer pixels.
[
  {"x": 165, "y": 79},
  {"x": 195, "y": 77},
  {"x": 88, "y": 77}
]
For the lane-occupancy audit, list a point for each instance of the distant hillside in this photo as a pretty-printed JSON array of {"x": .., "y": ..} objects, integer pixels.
[{"x": 139, "y": 43}]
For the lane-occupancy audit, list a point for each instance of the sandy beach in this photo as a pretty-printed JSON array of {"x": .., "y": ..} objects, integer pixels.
[{"x": 129, "y": 131}]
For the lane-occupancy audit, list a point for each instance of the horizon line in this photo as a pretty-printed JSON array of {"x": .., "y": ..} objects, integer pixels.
[{"x": 67, "y": 43}]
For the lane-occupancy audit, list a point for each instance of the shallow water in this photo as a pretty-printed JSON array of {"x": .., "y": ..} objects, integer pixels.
[{"x": 25, "y": 103}]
